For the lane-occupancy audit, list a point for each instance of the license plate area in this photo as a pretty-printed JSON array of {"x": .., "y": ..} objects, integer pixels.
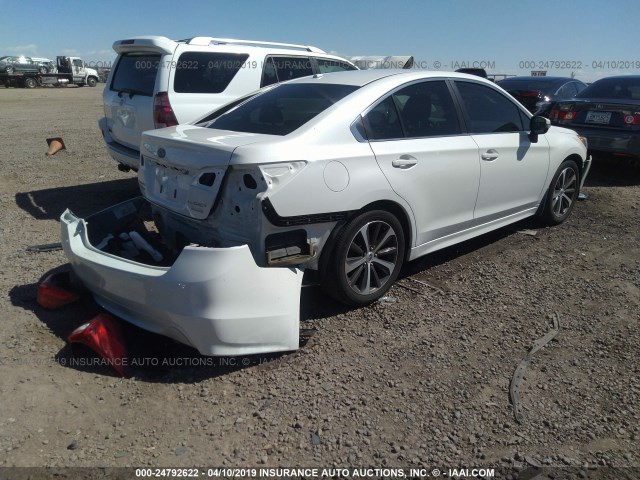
[{"x": 600, "y": 118}]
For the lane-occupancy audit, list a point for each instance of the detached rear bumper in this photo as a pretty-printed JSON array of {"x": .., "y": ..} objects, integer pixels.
[{"x": 214, "y": 299}]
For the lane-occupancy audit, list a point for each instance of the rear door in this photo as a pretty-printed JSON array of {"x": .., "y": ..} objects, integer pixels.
[
  {"x": 512, "y": 169},
  {"x": 417, "y": 139}
]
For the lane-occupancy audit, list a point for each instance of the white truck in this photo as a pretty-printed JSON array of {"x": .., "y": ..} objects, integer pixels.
[{"x": 70, "y": 71}]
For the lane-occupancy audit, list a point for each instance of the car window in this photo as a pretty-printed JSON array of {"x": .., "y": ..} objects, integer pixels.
[
  {"x": 566, "y": 91},
  {"x": 281, "y": 69},
  {"x": 382, "y": 122},
  {"x": 488, "y": 110},
  {"x": 269, "y": 75},
  {"x": 328, "y": 65},
  {"x": 134, "y": 73},
  {"x": 206, "y": 72},
  {"x": 614, "y": 87},
  {"x": 282, "y": 110},
  {"x": 427, "y": 109}
]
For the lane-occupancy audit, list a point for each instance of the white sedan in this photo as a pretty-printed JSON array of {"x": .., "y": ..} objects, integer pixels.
[{"x": 349, "y": 174}]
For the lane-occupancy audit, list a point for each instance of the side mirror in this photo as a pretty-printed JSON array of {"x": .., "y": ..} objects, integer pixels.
[{"x": 538, "y": 126}]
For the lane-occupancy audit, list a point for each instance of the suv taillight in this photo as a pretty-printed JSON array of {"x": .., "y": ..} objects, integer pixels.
[{"x": 163, "y": 115}]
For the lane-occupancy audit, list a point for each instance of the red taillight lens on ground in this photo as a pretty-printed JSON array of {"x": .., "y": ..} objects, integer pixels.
[
  {"x": 103, "y": 335},
  {"x": 163, "y": 115},
  {"x": 56, "y": 292}
]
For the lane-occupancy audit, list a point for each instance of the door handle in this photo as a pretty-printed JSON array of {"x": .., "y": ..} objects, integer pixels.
[
  {"x": 404, "y": 162},
  {"x": 490, "y": 155}
]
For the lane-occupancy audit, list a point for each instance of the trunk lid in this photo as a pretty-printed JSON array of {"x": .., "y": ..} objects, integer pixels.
[
  {"x": 604, "y": 113},
  {"x": 182, "y": 167}
]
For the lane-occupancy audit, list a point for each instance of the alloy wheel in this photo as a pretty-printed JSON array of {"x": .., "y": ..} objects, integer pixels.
[{"x": 371, "y": 258}]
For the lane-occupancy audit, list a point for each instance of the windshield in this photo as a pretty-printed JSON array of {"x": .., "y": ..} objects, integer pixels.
[
  {"x": 283, "y": 109},
  {"x": 616, "y": 87}
]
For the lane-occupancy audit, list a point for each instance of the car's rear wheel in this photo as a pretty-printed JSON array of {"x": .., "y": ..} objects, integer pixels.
[
  {"x": 562, "y": 194},
  {"x": 9, "y": 70},
  {"x": 365, "y": 258}
]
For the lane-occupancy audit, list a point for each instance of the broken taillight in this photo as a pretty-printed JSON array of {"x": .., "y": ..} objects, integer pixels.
[
  {"x": 56, "y": 292},
  {"x": 103, "y": 335},
  {"x": 163, "y": 115}
]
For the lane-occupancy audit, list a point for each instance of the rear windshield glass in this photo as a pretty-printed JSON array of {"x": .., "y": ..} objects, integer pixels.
[
  {"x": 622, "y": 88},
  {"x": 136, "y": 74},
  {"x": 204, "y": 72},
  {"x": 283, "y": 109}
]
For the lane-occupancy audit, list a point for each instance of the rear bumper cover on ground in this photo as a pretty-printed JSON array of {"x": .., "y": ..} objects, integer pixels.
[{"x": 214, "y": 299}]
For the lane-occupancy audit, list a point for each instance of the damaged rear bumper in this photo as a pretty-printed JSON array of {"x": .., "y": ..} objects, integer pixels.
[{"x": 214, "y": 299}]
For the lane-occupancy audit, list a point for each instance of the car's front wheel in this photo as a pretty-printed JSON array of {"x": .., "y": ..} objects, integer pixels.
[
  {"x": 562, "y": 194},
  {"x": 42, "y": 70},
  {"x": 366, "y": 258}
]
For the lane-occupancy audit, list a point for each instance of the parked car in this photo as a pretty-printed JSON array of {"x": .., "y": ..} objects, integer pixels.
[
  {"x": 539, "y": 94},
  {"x": 350, "y": 174},
  {"x": 607, "y": 113},
  {"x": 21, "y": 64},
  {"x": 49, "y": 65},
  {"x": 157, "y": 82}
]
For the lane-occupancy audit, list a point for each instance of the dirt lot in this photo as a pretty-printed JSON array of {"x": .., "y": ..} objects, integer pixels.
[{"x": 420, "y": 380}]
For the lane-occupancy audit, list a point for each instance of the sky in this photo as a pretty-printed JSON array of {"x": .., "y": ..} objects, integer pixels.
[{"x": 587, "y": 38}]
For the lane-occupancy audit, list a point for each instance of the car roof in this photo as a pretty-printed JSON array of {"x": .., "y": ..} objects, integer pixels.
[
  {"x": 360, "y": 78},
  {"x": 529, "y": 78}
]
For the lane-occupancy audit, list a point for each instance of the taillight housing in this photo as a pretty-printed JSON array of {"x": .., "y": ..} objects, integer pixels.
[
  {"x": 631, "y": 119},
  {"x": 562, "y": 113},
  {"x": 163, "y": 115}
]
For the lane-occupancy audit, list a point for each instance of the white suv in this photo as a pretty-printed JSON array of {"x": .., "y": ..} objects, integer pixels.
[{"x": 157, "y": 82}]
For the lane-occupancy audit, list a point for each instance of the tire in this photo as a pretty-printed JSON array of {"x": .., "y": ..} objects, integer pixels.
[
  {"x": 92, "y": 82},
  {"x": 30, "y": 82},
  {"x": 42, "y": 70},
  {"x": 562, "y": 194},
  {"x": 364, "y": 259},
  {"x": 9, "y": 70}
]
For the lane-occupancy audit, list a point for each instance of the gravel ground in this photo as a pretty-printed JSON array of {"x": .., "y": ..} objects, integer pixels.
[{"x": 418, "y": 380}]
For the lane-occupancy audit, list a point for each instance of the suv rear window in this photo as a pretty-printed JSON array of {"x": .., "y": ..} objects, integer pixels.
[
  {"x": 282, "y": 110},
  {"x": 136, "y": 74},
  {"x": 204, "y": 72}
]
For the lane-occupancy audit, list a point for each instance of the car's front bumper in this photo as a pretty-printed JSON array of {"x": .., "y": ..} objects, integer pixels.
[{"x": 214, "y": 299}]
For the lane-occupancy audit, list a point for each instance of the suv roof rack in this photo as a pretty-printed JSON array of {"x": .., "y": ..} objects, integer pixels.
[{"x": 204, "y": 41}]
